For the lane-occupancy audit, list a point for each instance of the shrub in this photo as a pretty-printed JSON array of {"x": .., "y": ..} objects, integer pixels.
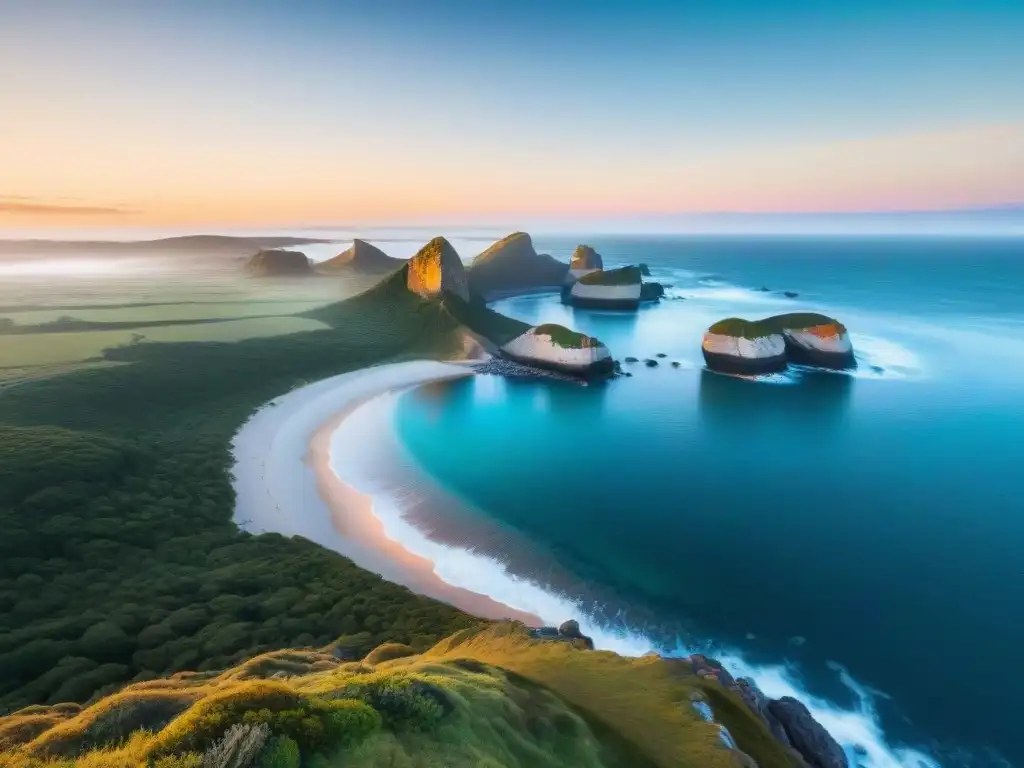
[
  {"x": 348, "y": 722},
  {"x": 237, "y": 748},
  {"x": 387, "y": 652},
  {"x": 280, "y": 752}
]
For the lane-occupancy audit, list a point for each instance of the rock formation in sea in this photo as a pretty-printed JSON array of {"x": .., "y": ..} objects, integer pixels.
[
  {"x": 278, "y": 262},
  {"x": 739, "y": 346},
  {"x": 818, "y": 340},
  {"x": 607, "y": 289},
  {"x": 436, "y": 269},
  {"x": 363, "y": 258},
  {"x": 512, "y": 265},
  {"x": 743, "y": 346},
  {"x": 584, "y": 260},
  {"x": 651, "y": 291},
  {"x": 644, "y": 269},
  {"x": 815, "y": 745},
  {"x": 558, "y": 348}
]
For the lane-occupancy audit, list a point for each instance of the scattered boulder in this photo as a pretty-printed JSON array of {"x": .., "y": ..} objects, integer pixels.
[
  {"x": 571, "y": 629},
  {"x": 790, "y": 294},
  {"x": 559, "y": 348},
  {"x": 278, "y": 262},
  {"x": 661, "y": 354},
  {"x": 607, "y": 289},
  {"x": 361, "y": 257},
  {"x": 675, "y": 363},
  {"x": 650, "y": 363},
  {"x": 512, "y": 264},
  {"x": 806, "y": 734},
  {"x": 631, "y": 360},
  {"x": 436, "y": 269},
  {"x": 764, "y": 289}
]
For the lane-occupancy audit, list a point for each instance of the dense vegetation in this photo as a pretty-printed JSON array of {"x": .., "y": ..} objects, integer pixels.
[
  {"x": 752, "y": 329},
  {"x": 565, "y": 338},
  {"x": 119, "y": 560},
  {"x": 488, "y": 696}
]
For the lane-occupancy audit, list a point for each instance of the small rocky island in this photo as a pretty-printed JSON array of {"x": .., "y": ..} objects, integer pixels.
[
  {"x": 269, "y": 263},
  {"x": 753, "y": 347},
  {"x": 557, "y": 348},
  {"x": 584, "y": 259},
  {"x": 361, "y": 257},
  {"x": 436, "y": 269},
  {"x": 512, "y": 265}
]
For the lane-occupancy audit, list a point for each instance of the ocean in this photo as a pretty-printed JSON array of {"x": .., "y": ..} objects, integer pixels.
[{"x": 852, "y": 539}]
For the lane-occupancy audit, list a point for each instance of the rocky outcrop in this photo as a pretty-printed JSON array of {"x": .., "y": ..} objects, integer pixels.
[
  {"x": 436, "y": 269},
  {"x": 651, "y": 291},
  {"x": 815, "y": 745},
  {"x": 278, "y": 262},
  {"x": 758, "y": 703},
  {"x": 567, "y": 631},
  {"x": 361, "y": 257},
  {"x": 584, "y": 260},
  {"x": 644, "y": 269},
  {"x": 770, "y": 345},
  {"x": 558, "y": 348},
  {"x": 741, "y": 347},
  {"x": 512, "y": 265},
  {"x": 607, "y": 289}
]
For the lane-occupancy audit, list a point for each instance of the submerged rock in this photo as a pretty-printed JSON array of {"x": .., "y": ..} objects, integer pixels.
[
  {"x": 278, "y": 262},
  {"x": 631, "y": 360},
  {"x": 790, "y": 294},
  {"x": 607, "y": 289},
  {"x": 559, "y": 348},
  {"x": 807, "y": 735},
  {"x": 437, "y": 269},
  {"x": 650, "y": 363}
]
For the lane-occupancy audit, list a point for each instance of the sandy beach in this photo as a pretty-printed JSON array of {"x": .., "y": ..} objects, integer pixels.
[{"x": 284, "y": 481}]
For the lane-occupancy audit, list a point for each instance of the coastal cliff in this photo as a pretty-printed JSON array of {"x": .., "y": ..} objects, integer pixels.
[
  {"x": 584, "y": 260},
  {"x": 436, "y": 269},
  {"x": 513, "y": 265},
  {"x": 352, "y": 700}
]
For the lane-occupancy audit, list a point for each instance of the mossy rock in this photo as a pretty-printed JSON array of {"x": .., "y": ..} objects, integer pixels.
[
  {"x": 566, "y": 338},
  {"x": 776, "y": 324},
  {"x": 620, "y": 276}
]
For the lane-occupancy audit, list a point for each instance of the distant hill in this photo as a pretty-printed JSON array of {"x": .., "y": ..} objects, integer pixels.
[
  {"x": 224, "y": 245},
  {"x": 277, "y": 262},
  {"x": 512, "y": 264},
  {"x": 361, "y": 257}
]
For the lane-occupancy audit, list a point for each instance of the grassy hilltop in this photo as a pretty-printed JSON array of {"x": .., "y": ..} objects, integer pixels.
[{"x": 483, "y": 697}]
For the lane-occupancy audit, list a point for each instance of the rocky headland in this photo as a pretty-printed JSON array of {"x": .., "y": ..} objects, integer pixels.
[
  {"x": 512, "y": 265},
  {"x": 736, "y": 345},
  {"x": 272, "y": 262},
  {"x": 436, "y": 269},
  {"x": 584, "y": 259}
]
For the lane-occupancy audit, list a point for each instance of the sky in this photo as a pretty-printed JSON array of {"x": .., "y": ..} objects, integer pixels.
[{"x": 201, "y": 113}]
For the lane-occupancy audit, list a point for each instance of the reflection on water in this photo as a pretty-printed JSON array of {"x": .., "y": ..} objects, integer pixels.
[{"x": 810, "y": 400}]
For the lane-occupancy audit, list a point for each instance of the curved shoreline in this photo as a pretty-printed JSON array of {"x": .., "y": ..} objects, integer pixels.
[{"x": 284, "y": 482}]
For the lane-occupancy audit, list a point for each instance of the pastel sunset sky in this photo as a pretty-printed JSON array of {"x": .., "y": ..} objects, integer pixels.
[{"x": 243, "y": 113}]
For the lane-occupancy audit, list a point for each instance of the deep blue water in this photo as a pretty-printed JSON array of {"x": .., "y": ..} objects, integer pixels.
[{"x": 873, "y": 521}]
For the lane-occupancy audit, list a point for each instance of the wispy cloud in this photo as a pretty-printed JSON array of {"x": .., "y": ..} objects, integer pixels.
[{"x": 23, "y": 205}]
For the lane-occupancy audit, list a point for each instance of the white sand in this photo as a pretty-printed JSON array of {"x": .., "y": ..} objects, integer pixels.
[{"x": 284, "y": 482}]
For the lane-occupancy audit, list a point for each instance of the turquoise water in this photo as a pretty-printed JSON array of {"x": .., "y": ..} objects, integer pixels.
[{"x": 871, "y": 523}]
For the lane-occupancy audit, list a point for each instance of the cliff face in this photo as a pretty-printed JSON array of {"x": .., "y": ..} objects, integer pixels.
[
  {"x": 437, "y": 269},
  {"x": 512, "y": 264},
  {"x": 277, "y": 262},
  {"x": 557, "y": 347},
  {"x": 362, "y": 257},
  {"x": 585, "y": 259}
]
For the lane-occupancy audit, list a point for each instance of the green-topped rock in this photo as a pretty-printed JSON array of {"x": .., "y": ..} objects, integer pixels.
[
  {"x": 737, "y": 345},
  {"x": 584, "y": 259},
  {"x": 559, "y": 348},
  {"x": 512, "y": 265},
  {"x": 607, "y": 289}
]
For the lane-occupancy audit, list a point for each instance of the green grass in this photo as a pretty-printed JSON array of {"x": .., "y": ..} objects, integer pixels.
[
  {"x": 481, "y": 319},
  {"x": 752, "y": 329},
  {"x": 566, "y": 338},
  {"x": 620, "y": 276},
  {"x": 485, "y": 697}
]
